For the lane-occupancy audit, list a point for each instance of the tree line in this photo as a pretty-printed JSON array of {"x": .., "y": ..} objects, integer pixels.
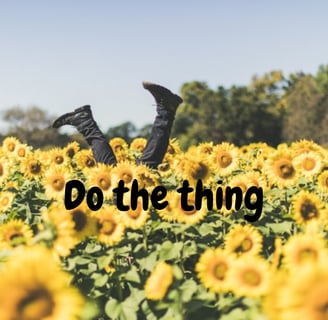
[{"x": 272, "y": 108}]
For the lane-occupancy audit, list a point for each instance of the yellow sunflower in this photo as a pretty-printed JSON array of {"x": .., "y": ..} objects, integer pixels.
[
  {"x": 125, "y": 171},
  {"x": 301, "y": 295},
  {"x": 250, "y": 276},
  {"x": 110, "y": 228},
  {"x": 57, "y": 157},
  {"x": 101, "y": 177},
  {"x": 71, "y": 149},
  {"x": 14, "y": 233},
  {"x": 4, "y": 169},
  {"x": 9, "y": 145},
  {"x": 40, "y": 291},
  {"x": 225, "y": 158},
  {"x": 308, "y": 164},
  {"x": 305, "y": 146},
  {"x": 85, "y": 159},
  {"x": 118, "y": 145},
  {"x": 84, "y": 221},
  {"x": 213, "y": 269},
  {"x": 243, "y": 239},
  {"x": 147, "y": 178},
  {"x": 138, "y": 144},
  {"x": 323, "y": 181},
  {"x": 169, "y": 213},
  {"x": 62, "y": 227},
  {"x": 192, "y": 216},
  {"x": 6, "y": 200},
  {"x": 301, "y": 249},
  {"x": 22, "y": 151},
  {"x": 280, "y": 170},
  {"x": 307, "y": 206},
  {"x": 159, "y": 281},
  {"x": 134, "y": 219},
  {"x": 173, "y": 149},
  {"x": 54, "y": 181},
  {"x": 32, "y": 166}
]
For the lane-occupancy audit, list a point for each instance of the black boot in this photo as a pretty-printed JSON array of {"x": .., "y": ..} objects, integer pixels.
[
  {"x": 82, "y": 119},
  {"x": 167, "y": 104},
  {"x": 165, "y": 99}
]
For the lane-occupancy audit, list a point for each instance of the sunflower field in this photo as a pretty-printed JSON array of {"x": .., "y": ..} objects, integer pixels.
[{"x": 168, "y": 263}]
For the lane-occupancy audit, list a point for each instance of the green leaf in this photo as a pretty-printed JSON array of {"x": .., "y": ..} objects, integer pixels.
[
  {"x": 169, "y": 250},
  {"x": 132, "y": 275},
  {"x": 113, "y": 308}
]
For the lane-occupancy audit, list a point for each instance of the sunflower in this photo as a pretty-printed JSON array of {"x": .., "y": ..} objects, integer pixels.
[
  {"x": 276, "y": 257},
  {"x": 57, "y": 157},
  {"x": 54, "y": 182},
  {"x": 71, "y": 149},
  {"x": 250, "y": 276},
  {"x": 61, "y": 226},
  {"x": 280, "y": 170},
  {"x": 134, "y": 219},
  {"x": 323, "y": 181},
  {"x": 169, "y": 213},
  {"x": 159, "y": 281},
  {"x": 305, "y": 146},
  {"x": 118, "y": 145},
  {"x": 41, "y": 291},
  {"x": 197, "y": 167},
  {"x": 14, "y": 233},
  {"x": 32, "y": 166},
  {"x": 85, "y": 159},
  {"x": 125, "y": 171},
  {"x": 6, "y": 200},
  {"x": 173, "y": 149},
  {"x": 9, "y": 145},
  {"x": 4, "y": 170},
  {"x": 301, "y": 249},
  {"x": 110, "y": 228},
  {"x": 213, "y": 269},
  {"x": 243, "y": 239},
  {"x": 307, "y": 206},
  {"x": 22, "y": 150},
  {"x": 138, "y": 144},
  {"x": 309, "y": 163},
  {"x": 148, "y": 179},
  {"x": 299, "y": 296},
  {"x": 192, "y": 216},
  {"x": 101, "y": 177},
  {"x": 226, "y": 158},
  {"x": 84, "y": 222}
]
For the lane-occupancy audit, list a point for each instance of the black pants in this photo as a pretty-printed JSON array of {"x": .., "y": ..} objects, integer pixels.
[{"x": 155, "y": 148}]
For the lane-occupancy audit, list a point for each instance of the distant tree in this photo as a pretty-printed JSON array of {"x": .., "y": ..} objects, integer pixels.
[
  {"x": 240, "y": 114},
  {"x": 33, "y": 126},
  {"x": 126, "y": 130}
]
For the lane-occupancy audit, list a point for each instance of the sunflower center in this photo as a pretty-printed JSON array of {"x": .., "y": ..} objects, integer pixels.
[
  {"x": 1, "y": 170},
  {"x": 200, "y": 172},
  {"x": 127, "y": 177},
  {"x": 90, "y": 163},
  {"x": 220, "y": 270},
  {"x": 38, "y": 304},
  {"x": 80, "y": 220},
  {"x": 58, "y": 184},
  {"x": 11, "y": 147},
  {"x": 5, "y": 201},
  {"x": 324, "y": 310},
  {"x": 35, "y": 167},
  {"x": 107, "y": 227},
  {"x": 59, "y": 159},
  {"x": 224, "y": 159},
  {"x": 21, "y": 152},
  {"x": 70, "y": 152},
  {"x": 252, "y": 278},
  {"x": 308, "y": 164},
  {"x": 16, "y": 238},
  {"x": 104, "y": 183},
  {"x": 286, "y": 170},
  {"x": 308, "y": 254},
  {"x": 309, "y": 210}
]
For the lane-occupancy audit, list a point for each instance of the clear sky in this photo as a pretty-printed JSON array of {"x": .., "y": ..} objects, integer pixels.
[{"x": 60, "y": 54}]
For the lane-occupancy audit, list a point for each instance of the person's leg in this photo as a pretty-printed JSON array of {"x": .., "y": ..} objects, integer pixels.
[
  {"x": 166, "y": 106},
  {"x": 82, "y": 119}
]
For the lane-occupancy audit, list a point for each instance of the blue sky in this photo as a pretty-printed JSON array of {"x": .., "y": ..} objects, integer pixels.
[{"x": 60, "y": 55}]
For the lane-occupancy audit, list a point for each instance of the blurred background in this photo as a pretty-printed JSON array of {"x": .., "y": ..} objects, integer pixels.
[{"x": 248, "y": 71}]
